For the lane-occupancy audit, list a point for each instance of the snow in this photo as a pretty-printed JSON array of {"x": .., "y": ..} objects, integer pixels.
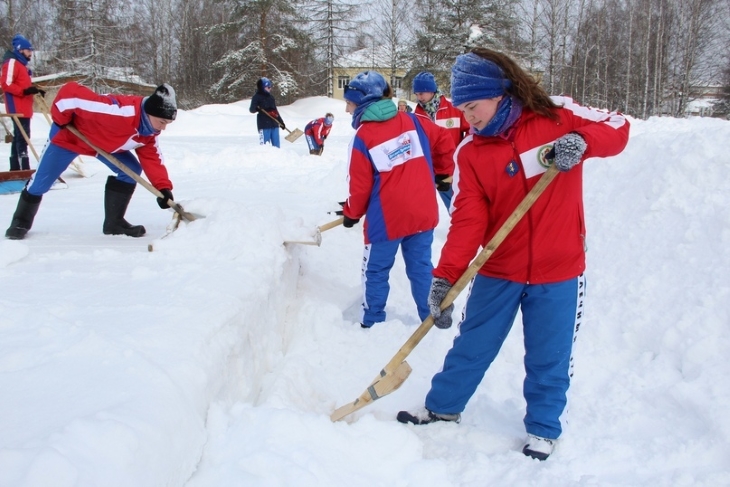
[{"x": 216, "y": 359}]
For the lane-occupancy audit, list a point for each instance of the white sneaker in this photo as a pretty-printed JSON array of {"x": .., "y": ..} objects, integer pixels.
[{"x": 538, "y": 447}]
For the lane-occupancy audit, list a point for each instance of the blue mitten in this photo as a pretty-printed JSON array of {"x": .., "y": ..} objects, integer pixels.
[
  {"x": 439, "y": 288},
  {"x": 567, "y": 151}
]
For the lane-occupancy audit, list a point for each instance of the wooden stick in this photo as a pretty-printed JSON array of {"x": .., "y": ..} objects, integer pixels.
[{"x": 179, "y": 209}]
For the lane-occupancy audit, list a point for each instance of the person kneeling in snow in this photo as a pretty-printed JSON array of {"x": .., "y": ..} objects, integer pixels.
[
  {"x": 316, "y": 131},
  {"x": 116, "y": 124}
]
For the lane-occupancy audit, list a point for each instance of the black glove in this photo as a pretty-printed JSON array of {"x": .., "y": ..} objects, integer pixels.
[
  {"x": 349, "y": 222},
  {"x": 283, "y": 127},
  {"x": 442, "y": 185},
  {"x": 439, "y": 288},
  {"x": 32, "y": 90},
  {"x": 340, "y": 213},
  {"x": 163, "y": 201},
  {"x": 567, "y": 151}
]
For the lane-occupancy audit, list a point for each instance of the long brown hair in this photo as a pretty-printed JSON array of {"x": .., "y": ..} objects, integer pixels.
[{"x": 524, "y": 86}]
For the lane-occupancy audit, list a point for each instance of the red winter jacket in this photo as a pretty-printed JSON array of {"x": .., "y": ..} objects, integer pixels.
[
  {"x": 318, "y": 130},
  {"x": 391, "y": 178},
  {"x": 15, "y": 79},
  {"x": 493, "y": 176},
  {"x": 110, "y": 122},
  {"x": 450, "y": 118}
]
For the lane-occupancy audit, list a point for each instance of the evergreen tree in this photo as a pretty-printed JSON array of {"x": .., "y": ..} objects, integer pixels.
[{"x": 269, "y": 42}]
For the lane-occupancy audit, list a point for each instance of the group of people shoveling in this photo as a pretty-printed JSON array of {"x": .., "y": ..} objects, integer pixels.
[
  {"x": 517, "y": 180},
  {"x": 269, "y": 121},
  {"x": 512, "y": 139}
]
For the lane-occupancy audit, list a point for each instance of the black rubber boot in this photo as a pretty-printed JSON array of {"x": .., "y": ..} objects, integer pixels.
[
  {"x": 24, "y": 163},
  {"x": 116, "y": 199},
  {"x": 24, "y": 214}
]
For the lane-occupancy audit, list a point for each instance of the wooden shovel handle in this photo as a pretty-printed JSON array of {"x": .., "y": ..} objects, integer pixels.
[
  {"x": 179, "y": 209},
  {"x": 474, "y": 267},
  {"x": 272, "y": 118}
]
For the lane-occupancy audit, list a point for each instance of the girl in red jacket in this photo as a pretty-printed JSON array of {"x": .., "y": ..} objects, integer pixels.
[
  {"x": 518, "y": 131},
  {"x": 316, "y": 132},
  {"x": 394, "y": 160}
]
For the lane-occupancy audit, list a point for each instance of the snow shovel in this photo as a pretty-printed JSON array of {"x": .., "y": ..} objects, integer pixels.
[
  {"x": 397, "y": 370},
  {"x": 178, "y": 209},
  {"x": 293, "y": 135},
  {"x": 318, "y": 235}
]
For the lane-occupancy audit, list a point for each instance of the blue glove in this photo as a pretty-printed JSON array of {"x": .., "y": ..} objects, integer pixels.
[
  {"x": 439, "y": 288},
  {"x": 567, "y": 151}
]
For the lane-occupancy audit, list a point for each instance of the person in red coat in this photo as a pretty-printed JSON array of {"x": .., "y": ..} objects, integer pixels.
[
  {"x": 394, "y": 159},
  {"x": 117, "y": 124},
  {"x": 18, "y": 90},
  {"x": 518, "y": 132},
  {"x": 433, "y": 104},
  {"x": 316, "y": 132}
]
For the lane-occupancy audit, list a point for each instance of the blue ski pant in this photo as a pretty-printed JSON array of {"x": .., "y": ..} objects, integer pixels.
[
  {"x": 55, "y": 160},
  {"x": 313, "y": 145},
  {"x": 446, "y": 197},
  {"x": 19, "y": 148},
  {"x": 269, "y": 135},
  {"x": 551, "y": 316},
  {"x": 378, "y": 259}
]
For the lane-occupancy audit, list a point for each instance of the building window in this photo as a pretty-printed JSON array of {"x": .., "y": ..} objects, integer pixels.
[
  {"x": 397, "y": 82},
  {"x": 343, "y": 81}
]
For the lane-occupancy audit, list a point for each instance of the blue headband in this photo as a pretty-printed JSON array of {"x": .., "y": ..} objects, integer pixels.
[{"x": 476, "y": 78}]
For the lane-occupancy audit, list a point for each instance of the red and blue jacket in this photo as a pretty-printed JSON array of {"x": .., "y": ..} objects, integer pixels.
[
  {"x": 450, "y": 118},
  {"x": 15, "y": 79},
  {"x": 110, "y": 122},
  {"x": 393, "y": 159},
  {"x": 318, "y": 130},
  {"x": 494, "y": 174}
]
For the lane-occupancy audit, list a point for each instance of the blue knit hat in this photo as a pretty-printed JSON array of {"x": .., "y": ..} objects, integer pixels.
[
  {"x": 365, "y": 87},
  {"x": 476, "y": 78},
  {"x": 424, "y": 82},
  {"x": 266, "y": 83},
  {"x": 20, "y": 42}
]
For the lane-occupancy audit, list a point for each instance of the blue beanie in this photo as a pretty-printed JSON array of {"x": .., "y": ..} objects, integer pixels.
[
  {"x": 476, "y": 78},
  {"x": 424, "y": 82},
  {"x": 20, "y": 42},
  {"x": 365, "y": 87},
  {"x": 266, "y": 83}
]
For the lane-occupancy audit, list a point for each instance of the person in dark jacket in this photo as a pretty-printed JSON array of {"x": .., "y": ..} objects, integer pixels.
[
  {"x": 19, "y": 90},
  {"x": 268, "y": 120}
]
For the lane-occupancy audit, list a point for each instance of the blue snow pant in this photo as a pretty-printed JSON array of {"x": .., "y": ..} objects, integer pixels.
[
  {"x": 446, "y": 197},
  {"x": 378, "y": 259},
  {"x": 19, "y": 159},
  {"x": 313, "y": 145},
  {"x": 55, "y": 160},
  {"x": 551, "y": 317},
  {"x": 269, "y": 135}
]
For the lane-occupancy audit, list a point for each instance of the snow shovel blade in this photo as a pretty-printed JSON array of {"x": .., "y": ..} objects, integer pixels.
[
  {"x": 294, "y": 135},
  {"x": 171, "y": 227},
  {"x": 381, "y": 386},
  {"x": 318, "y": 234}
]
